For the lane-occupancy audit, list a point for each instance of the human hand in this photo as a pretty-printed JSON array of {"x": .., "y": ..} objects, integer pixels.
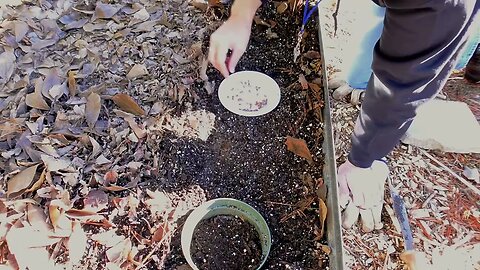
[
  {"x": 232, "y": 35},
  {"x": 361, "y": 194}
]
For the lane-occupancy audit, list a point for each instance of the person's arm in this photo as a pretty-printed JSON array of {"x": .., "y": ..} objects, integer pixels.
[
  {"x": 245, "y": 9},
  {"x": 232, "y": 35}
]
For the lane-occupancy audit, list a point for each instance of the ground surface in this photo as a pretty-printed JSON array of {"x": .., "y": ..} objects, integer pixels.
[
  {"x": 111, "y": 132},
  {"x": 444, "y": 214}
]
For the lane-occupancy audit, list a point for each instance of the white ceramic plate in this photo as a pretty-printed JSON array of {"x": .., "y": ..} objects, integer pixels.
[{"x": 249, "y": 93}]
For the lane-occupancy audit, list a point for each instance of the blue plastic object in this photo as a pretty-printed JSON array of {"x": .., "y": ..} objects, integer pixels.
[{"x": 357, "y": 69}]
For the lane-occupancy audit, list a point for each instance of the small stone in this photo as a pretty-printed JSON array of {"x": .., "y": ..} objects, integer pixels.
[
  {"x": 472, "y": 174},
  {"x": 342, "y": 92},
  {"x": 336, "y": 83},
  {"x": 448, "y": 126}
]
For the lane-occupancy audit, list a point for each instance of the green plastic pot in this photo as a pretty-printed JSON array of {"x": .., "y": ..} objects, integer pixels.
[{"x": 226, "y": 206}]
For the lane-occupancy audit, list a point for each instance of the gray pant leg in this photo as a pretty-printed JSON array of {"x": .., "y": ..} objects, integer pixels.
[{"x": 411, "y": 63}]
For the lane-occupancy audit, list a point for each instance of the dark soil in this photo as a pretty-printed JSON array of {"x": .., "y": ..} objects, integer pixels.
[
  {"x": 226, "y": 242},
  {"x": 246, "y": 158}
]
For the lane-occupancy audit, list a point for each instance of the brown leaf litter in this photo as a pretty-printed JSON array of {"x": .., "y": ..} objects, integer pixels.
[
  {"x": 64, "y": 66},
  {"x": 87, "y": 90}
]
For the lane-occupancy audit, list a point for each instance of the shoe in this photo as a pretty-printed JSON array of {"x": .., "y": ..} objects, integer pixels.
[{"x": 472, "y": 70}]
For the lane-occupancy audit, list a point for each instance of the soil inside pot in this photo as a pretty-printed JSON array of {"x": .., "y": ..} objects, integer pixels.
[{"x": 226, "y": 242}]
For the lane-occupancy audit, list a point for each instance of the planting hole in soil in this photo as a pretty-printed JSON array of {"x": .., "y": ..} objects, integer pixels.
[{"x": 226, "y": 242}]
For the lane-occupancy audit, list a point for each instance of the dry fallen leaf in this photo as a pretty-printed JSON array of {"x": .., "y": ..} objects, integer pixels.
[
  {"x": 260, "y": 21},
  {"x": 101, "y": 160},
  {"x": 76, "y": 24},
  {"x": 28, "y": 246},
  {"x": 21, "y": 181},
  {"x": 159, "y": 202},
  {"x": 7, "y": 65},
  {"x": 58, "y": 218},
  {"x": 35, "y": 237},
  {"x": 54, "y": 164},
  {"x": 37, "y": 218},
  {"x": 282, "y": 7},
  {"x": 57, "y": 91},
  {"x": 326, "y": 249},
  {"x": 119, "y": 253},
  {"x": 97, "y": 149},
  {"x": 111, "y": 177},
  {"x": 77, "y": 243},
  {"x": 315, "y": 87},
  {"x": 21, "y": 29},
  {"x": 312, "y": 55},
  {"x": 139, "y": 132},
  {"x": 105, "y": 11},
  {"x": 137, "y": 70},
  {"x": 200, "y": 5},
  {"x": 115, "y": 188},
  {"x": 72, "y": 83},
  {"x": 35, "y": 99},
  {"x": 141, "y": 15},
  {"x": 83, "y": 214},
  {"x": 92, "y": 109},
  {"x": 128, "y": 104},
  {"x": 160, "y": 233},
  {"x": 215, "y": 3},
  {"x": 303, "y": 81},
  {"x": 299, "y": 147},
  {"x": 321, "y": 190},
  {"x": 54, "y": 213},
  {"x": 323, "y": 215},
  {"x": 96, "y": 200},
  {"x": 52, "y": 79}
]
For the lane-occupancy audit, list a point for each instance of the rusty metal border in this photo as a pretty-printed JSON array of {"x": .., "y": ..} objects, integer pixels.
[{"x": 334, "y": 229}]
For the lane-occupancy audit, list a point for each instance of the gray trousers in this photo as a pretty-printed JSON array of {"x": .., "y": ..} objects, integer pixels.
[{"x": 412, "y": 60}]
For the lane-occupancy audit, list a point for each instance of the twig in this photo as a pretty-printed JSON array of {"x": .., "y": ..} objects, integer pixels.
[
  {"x": 335, "y": 19},
  {"x": 279, "y": 203},
  {"x": 387, "y": 258},
  {"x": 458, "y": 177},
  {"x": 429, "y": 198}
]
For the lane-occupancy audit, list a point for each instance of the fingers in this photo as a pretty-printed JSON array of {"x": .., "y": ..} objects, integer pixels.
[
  {"x": 221, "y": 60},
  {"x": 344, "y": 193},
  {"x": 343, "y": 190},
  {"x": 377, "y": 217},
  {"x": 217, "y": 55},
  {"x": 234, "y": 58},
  {"x": 343, "y": 200},
  {"x": 368, "y": 222},
  {"x": 350, "y": 216}
]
